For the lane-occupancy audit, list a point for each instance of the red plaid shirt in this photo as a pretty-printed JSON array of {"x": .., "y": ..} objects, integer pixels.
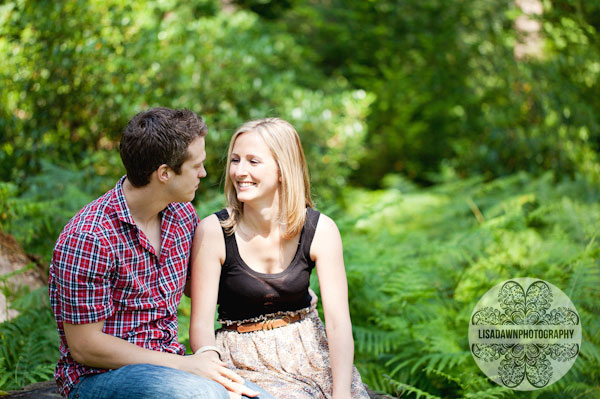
[{"x": 104, "y": 268}]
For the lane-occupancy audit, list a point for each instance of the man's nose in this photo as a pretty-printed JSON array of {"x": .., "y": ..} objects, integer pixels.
[{"x": 202, "y": 173}]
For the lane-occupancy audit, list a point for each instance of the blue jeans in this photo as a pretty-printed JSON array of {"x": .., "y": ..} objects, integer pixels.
[{"x": 147, "y": 381}]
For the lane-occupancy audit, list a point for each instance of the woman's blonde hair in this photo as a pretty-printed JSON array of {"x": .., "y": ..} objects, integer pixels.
[{"x": 284, "y": 143}]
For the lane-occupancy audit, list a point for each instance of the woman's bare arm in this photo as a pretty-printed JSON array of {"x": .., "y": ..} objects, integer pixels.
[
  {"x": 327, "y": 251},
  {"x": 208, "y": 254}
]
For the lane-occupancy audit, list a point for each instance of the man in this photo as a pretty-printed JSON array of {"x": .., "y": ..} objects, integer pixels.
[{"x": 118, "y": 272}]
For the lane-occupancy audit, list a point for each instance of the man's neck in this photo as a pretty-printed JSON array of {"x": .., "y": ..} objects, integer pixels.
[{"x": 143, "y": 202}]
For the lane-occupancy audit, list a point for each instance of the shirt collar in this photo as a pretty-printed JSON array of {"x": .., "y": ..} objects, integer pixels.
[
  {"x": 122, "y": 209},
  {"x": 120, "y": 204}
]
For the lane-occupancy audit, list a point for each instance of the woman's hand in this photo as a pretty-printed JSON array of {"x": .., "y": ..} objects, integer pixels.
[{"x": 208, "y": 365}]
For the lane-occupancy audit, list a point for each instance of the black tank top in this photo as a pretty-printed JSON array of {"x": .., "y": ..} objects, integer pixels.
[{"x": 247, "y": 294}]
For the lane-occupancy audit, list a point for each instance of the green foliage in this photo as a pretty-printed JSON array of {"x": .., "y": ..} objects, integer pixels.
[
  {"x": 538, "y": 114},
  {"x": 69, "y": 88},
  {"x": 448, "y": 87},
  {"x": 428, "y": 88},
  {"x": 52, "y": 197},
  {"x": 419, "y": 261},
  {"x": 28, "y": 343}
]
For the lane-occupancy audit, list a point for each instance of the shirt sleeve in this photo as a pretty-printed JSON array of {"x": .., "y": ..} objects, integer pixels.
[
  {"x": 83, "y": 279},
  {"x": 195, "y": 219}
]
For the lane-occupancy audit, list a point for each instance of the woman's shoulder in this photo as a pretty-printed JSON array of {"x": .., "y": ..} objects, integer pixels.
[
  {"x": 326, "y": 239},
  {"x": 209, "y": 237},
  {"x": 210, "y": 225},
  {"x": 325, "y": 224}
]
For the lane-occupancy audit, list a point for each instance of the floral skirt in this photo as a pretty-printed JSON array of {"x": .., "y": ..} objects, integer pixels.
[{"x": 288, "y": 362}]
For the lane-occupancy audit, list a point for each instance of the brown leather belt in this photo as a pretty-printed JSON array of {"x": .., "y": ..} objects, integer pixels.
[{"x": 268, "y": 324}]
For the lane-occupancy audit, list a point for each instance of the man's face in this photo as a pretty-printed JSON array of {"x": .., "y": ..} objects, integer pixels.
[{"x": 183, "y": 186}]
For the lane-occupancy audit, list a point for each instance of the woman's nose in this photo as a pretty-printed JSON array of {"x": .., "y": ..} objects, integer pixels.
[{"x": 240, "y": 169}]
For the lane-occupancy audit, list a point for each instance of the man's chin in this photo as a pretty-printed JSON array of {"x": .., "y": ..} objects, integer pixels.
[{"x": 188, "y": 198}]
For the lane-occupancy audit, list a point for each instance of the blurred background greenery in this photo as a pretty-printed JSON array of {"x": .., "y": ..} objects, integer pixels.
[{"x": 451, "y": 160}]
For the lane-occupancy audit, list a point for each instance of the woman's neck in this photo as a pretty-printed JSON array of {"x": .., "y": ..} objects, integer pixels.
[{"x": 262, "y": 220}]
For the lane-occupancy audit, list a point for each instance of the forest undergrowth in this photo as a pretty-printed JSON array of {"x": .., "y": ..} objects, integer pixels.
[{"x": 418, "y": 260}]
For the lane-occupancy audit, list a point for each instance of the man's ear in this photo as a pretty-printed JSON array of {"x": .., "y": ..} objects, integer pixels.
[{"x": 163, "y": 173}]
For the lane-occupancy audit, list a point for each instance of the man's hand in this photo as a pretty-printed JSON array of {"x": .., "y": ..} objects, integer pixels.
[
  {"x": 313, "y": 299},
  {"x": 208, "y": 365}
]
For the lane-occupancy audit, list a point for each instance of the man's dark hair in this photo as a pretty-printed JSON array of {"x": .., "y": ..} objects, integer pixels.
[{"x": 155, "y": 137}]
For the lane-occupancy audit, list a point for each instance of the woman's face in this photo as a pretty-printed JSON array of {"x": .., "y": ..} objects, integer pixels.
[{"x": 253, "y": 170}]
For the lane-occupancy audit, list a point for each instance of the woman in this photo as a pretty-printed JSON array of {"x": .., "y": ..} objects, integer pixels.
[{"x": 255, "y": 258}]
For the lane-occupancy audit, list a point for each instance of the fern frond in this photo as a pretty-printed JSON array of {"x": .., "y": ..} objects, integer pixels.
[
  {"x": 439, "y": 373},
  {"x": 29, "y": 343},
  {"x": 374, "y": 376},
  {"x": 402, "y": 389},
  {"x": 441, "y": 361},
  {"x": 377, "y": 342}
]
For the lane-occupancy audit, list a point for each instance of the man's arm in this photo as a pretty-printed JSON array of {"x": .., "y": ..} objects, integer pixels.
[
  {"x": 83, "y": 273},
  {"x": 91, "y": 347}
]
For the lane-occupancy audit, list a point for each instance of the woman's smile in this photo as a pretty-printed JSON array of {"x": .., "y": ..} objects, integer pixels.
[{"x": 245, "y": 184}]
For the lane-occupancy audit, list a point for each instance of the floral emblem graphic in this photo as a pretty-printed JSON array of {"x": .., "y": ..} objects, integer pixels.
[{"x": 526, "y": 343}]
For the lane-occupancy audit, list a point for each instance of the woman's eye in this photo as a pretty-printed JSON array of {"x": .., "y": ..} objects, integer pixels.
[
  {"x": 234, "y": 160},
  {"x": 253, "y": 161}
]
